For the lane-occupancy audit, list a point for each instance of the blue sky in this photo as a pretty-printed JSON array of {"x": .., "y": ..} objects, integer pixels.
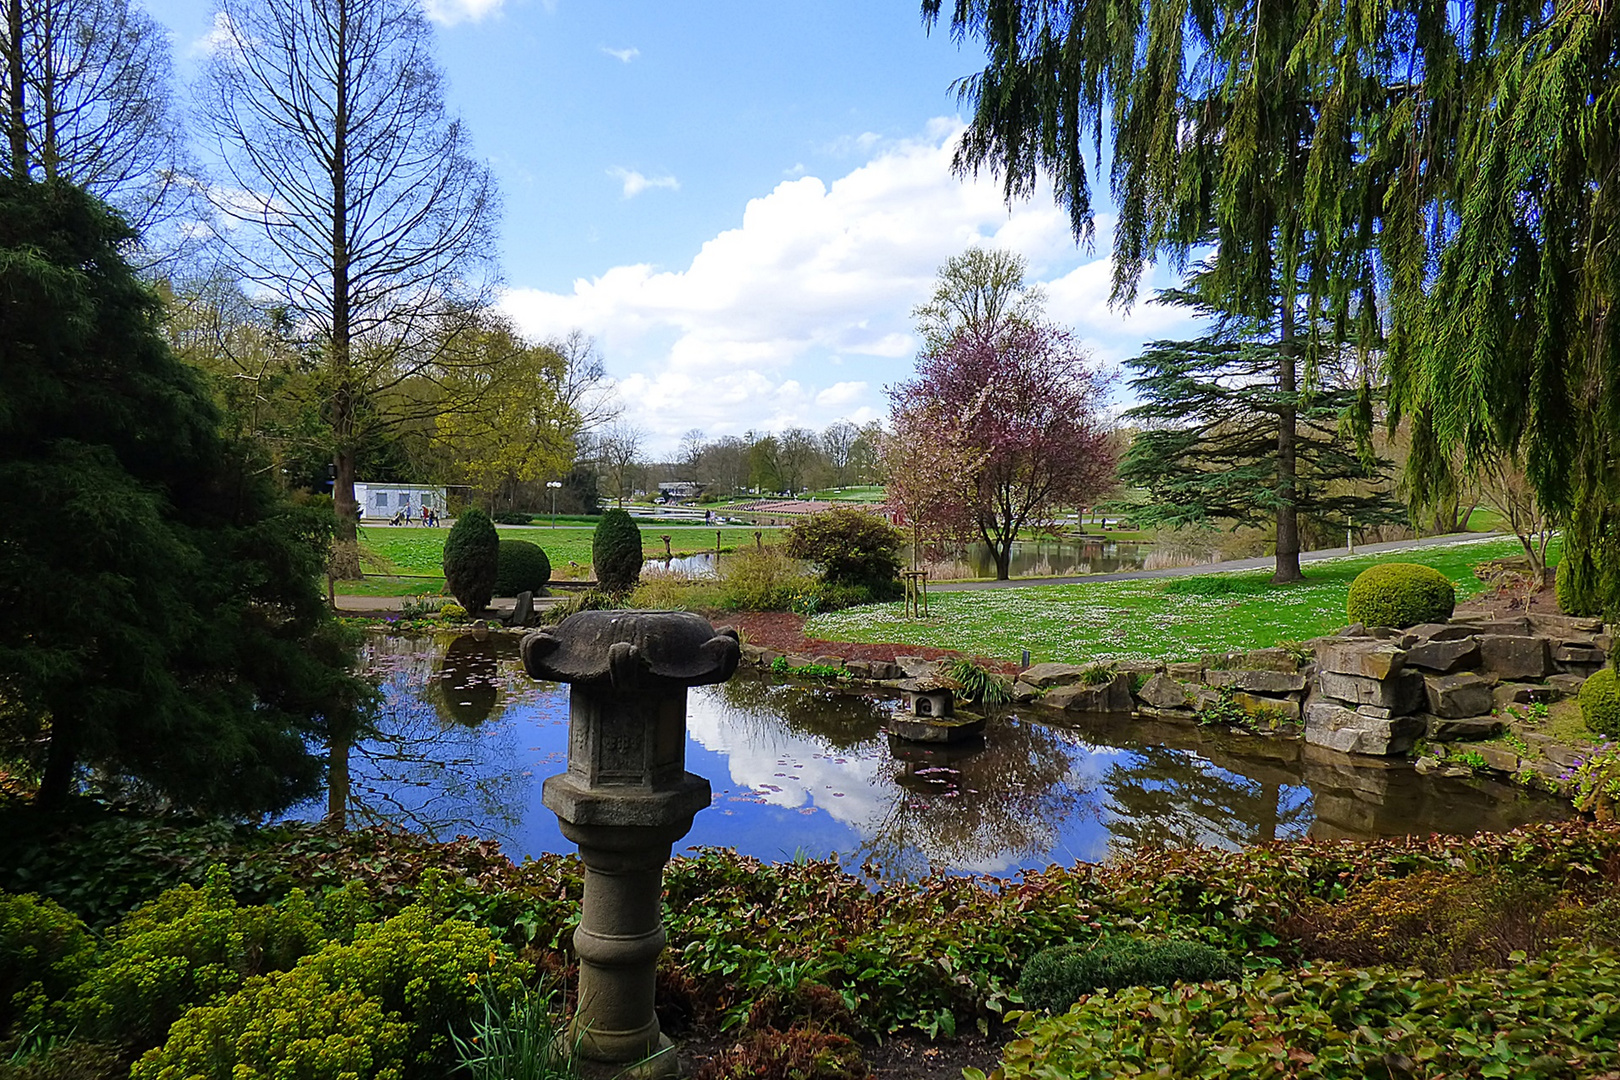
[{"x": 741, "y": 201}]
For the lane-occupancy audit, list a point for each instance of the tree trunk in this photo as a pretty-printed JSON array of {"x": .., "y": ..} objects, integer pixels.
[
  {"x": 16, "y": 119},
  {"x": 343, "y": 388},
  {"x": 337, "y": 781},
  {"x": 1287, "y": 454},
  {"x": 61, "y": 761}
]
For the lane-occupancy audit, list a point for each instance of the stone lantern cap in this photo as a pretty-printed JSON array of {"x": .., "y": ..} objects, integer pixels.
[{"x": 632, "y": 651}]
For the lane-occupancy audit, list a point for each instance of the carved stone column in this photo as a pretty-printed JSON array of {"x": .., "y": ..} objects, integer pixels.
[{"x": 625, "y": 799}]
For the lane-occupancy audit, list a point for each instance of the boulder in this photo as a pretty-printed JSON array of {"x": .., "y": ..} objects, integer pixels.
[
  {"x": 1445, "y": 656},
  {"x": 1500, "y": 758},
  {"x": 1163, "y": 692},
  {"x": 1560, "y": 754},
  {"x": 1439, "y": 631},
  {"x": 1188, "y": 671},
  {"x": 1051, "y": 674},
  {"x": 1023, "y": 693},
  {"x": 1333, "y": 726},
  {"x": 1442, "y": 729},
  {"x": 1364, "y": 657},
  {"x": 1453, "y": 697},
  {"x": 1148, "y": 712},
  {"x": 522, "y": 609},
  {"x": 883, "y": 671},
  {"x": 1355, "y": 629},
  {"x": 1512, "y": 693},
  {"x": 1564, "y": 625},
  {"x": 1580, "y": 655},
  {"x": 828, "y": 660},
  {"x": 1257, "y": 682},
  {"x": 1515, "y": 656},
  {"x": 1567, "y": 685},
  {"x": 915, "y": 667},
  {"x": 1287, "y": 708},
  {"x": 750, "y": 653},
  {"x": 1270, "y": 660},
  {"x": 1400, "y": 694},
  {"x": 861, "y": 669},
  {"x": 1433, "y": 766},
  {"x": 767, "y": 657},
  {"x": 798, "y": 660},
  {"x": 1113, "y": 696}
]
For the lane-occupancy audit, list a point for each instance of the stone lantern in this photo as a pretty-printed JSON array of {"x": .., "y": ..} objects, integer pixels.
[{"x": 625, "y": 799}]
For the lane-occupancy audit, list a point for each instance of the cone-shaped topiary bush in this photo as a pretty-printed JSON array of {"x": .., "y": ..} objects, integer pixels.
[
  {"x": 616, "y": 552},
  {"x": 522, "y": 567},
  {"x": 471, "y": 557},
  {"x": 1401, "y": 595}
]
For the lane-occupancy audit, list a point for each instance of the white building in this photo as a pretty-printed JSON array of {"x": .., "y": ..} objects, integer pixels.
[{"x": 380, "y": 502}]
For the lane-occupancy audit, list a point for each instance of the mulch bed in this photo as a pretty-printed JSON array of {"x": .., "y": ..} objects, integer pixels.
[
  {"x": 783, "y": 632},
  {"x": 892, "y": 1059}
]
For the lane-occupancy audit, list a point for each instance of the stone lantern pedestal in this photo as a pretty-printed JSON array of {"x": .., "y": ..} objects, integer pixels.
[{"x": 625, "y": 799}]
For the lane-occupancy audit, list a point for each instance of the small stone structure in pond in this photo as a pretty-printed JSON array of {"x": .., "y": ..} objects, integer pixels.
[
  {"x": 625, "y": 799},
  {"x": 927, "y": 714}
]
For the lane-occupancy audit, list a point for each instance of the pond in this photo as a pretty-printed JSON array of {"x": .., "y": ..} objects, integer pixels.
[
  {"x": 1047, "y": 558},
  {"x": 466, "y": 739}
]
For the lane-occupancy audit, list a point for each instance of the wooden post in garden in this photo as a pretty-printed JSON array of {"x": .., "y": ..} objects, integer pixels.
[
  {"x": 667, "y": 555},
  {"x": 759, "y": 545}
]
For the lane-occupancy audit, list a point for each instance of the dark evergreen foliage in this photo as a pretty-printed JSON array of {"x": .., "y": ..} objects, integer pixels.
[
  {"x": 521, "y": 566},
  {"x": 1056, "y": 978},
  {"x": 1206, "y": 451},
  {"x": 472, "y": 559},
  {"x": 616, "y": 552},
  {"x": 160, "y": 618}
]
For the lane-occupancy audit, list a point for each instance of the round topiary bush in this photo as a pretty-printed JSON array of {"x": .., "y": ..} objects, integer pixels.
[
  {"x": 471, "y": 557},
  {"x": 522, "y": 566},
  {"x": 616, "y": 552},
  {"x": 1600, "y": 702},
  {"x": 1401, "y": 595},
  {"x": 1056, "y": 978}
]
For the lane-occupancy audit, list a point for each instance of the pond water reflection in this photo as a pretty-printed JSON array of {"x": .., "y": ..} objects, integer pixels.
[{"x": 466, "y": 738}]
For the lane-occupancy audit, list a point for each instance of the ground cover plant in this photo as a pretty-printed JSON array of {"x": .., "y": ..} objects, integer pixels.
[
  {"x": 809, "y": 946},
  {"x": 1175, "y": 618}
]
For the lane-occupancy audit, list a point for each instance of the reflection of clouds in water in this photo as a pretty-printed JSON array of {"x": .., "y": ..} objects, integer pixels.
[{"x": 787, "y": 769}]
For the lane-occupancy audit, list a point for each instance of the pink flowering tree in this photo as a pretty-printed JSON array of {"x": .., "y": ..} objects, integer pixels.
[
  {"x": 1027, "y": 407},
  {"x": 925, "y": 454}
]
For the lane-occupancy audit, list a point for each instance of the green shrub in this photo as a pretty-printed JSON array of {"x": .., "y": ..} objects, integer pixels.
[
  {"x": 1600, "y": 702},
  {"x": 979, "y": 685},
  {"x": 762, "y": 580},
  {"x": 513, "y": 517},
  {"x": 1401, "y": 595},
  {"x": 381, "y": 1007},
  {"x": 1056, "y": 978},
  {"x": 521, "y": 566},
  {"x": 616, "y": 552},
  {"x": 184, "y": 948},
  {"x": 64, "y": 1059},
  {"x": 1542, "y": 1018},
  {"x": 518, "y": 1038},
  {"x": 852, "y": 547},
  {"x": 44, "y": 953},
  {"x": 471, "y": 559}
]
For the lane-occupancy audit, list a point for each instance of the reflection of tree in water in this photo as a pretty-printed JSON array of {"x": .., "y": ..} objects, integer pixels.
[
  {"x": 1000, "y": 801},
  {"x": 840, "y": 718},
  {"x": 1171, "y": 797},
  {"x": 430, "y": 768},
  {"x": 467, "y": 685}
]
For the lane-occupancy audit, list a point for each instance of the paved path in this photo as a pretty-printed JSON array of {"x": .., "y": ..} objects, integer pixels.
[{"x": 1265, "y": 562}]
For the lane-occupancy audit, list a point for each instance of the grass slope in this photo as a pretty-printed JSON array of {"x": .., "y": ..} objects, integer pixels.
[{"x": 1177, "y": 618}]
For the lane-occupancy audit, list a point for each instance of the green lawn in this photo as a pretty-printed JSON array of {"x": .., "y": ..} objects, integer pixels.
[
  {"x": 389, "y": 550},
  {"x": 1177, "y": 618}
]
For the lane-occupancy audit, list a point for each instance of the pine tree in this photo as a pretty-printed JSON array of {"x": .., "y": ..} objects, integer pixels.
[{"x": 1205, "y": 453}]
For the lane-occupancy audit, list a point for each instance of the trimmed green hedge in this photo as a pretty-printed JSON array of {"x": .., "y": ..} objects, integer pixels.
[
  {"x": 1400, "y": 594},
  {"x": 522, "y": 566},
  {"x": 1056, "y": 978},
  {"x": 1600, "y": 702}
]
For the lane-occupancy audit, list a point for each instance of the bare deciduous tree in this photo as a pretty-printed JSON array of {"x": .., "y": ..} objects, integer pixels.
[
  {"x": 89, "y": 98},
  {"x": 356, "y": 199},
  {"x": 619, "y": 453}
]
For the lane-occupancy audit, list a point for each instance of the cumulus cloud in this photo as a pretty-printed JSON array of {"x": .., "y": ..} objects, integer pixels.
[
  {"x": 635, "y": 183},
  {"x": 801, "y": 314},
  {"x": 222, "y": 36},
  {"x": 623, "y": 56},
  {"x": 451, "y": 12}
]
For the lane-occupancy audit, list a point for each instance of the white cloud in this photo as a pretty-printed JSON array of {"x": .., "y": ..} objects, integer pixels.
[
  {"x": 222, "y": 36},
  {"x": 801, "y": 314},
  {"x": 451, "y": 12},
  {"x": 635, "y": 183},
  {"x": 623, "y": 56}
]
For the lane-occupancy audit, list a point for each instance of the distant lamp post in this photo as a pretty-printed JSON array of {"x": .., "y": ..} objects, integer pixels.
[{"x": 553, "y": 485}]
